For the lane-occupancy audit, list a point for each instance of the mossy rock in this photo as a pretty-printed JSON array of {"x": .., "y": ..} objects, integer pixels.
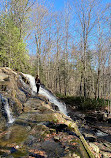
[
  {"x": 14, "y": 135},
  {"x": 33, "y": 116}
]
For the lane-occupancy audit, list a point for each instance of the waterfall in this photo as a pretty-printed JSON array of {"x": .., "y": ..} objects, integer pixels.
[
  {"x": 32, "y": 83},
  {"x": 44, "y": 92},
  {"x": 53, "y": 99},
  {"x": 10, "y": 118},
  {"x": 7, "y": 110}
]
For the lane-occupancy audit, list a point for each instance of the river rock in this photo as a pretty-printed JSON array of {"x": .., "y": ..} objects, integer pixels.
[
  {"x": 109, "y": 120},
  {"x": 30, "y": 132},
  {"x": 90, "y": 137},
  {"x": 95, "y": 147},
  {"x": 90, "y": 119},
  {"x": 55, "y": 107},
  {"x": 4, "y": 77},
  {"x": 106, "y": 154}
]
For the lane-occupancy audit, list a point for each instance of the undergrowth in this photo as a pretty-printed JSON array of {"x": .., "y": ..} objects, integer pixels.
[{"x": 84, "y": 104}]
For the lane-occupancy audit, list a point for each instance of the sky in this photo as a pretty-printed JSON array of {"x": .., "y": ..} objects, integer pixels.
[{"x": 58, "y": 5}]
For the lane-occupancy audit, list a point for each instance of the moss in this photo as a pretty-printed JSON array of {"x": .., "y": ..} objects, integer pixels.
[
  {"x": 86, "y": 147},
  {"x": 19, "y": 154},
  {"x": 79, "y": 150},
  {"x": 16, "y": 134},
  {"x": 37, "y": 117}
]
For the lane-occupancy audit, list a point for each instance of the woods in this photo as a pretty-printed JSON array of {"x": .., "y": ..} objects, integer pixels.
[{"x": 68, "y": 48}]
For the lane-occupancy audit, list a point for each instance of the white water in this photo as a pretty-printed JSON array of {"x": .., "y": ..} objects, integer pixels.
[
  {"x": 101, "y": 134},
  {"x": 32, "y": 83},
  {"x": 10, "y": 118},
  {"x": 52, "y": 99},
  {"x": 44, "y": 92}
]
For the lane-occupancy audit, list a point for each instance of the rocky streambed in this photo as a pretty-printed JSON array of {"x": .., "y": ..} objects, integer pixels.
[
  {"x": 39, "y": 129},
  {"x": 95, "y": 126}
]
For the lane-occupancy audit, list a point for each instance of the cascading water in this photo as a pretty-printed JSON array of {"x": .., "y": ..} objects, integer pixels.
[
  {"x": 7, "y": 109},
  {"x": 53, "y": 99},
  {"x": 10, "y": 118},
  {"x": 44, "y": 92},
  {"x": 32, "y": 83}
]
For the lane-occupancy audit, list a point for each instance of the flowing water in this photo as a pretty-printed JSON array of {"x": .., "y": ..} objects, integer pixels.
[
  {"x": 7, "y": 110},
  {"x": 9, "y": 115},
  {"x": 53, "y": 99},
  {"x": 44, "y": 92}
]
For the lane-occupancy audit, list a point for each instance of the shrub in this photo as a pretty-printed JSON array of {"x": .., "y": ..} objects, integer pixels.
[{"x": 84, "y": 104}]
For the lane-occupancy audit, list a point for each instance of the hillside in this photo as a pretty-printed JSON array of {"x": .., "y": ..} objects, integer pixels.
[{"x": 38, "y": 129}]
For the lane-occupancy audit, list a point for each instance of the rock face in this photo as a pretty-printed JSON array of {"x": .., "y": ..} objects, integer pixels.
[{"x": 39, "y": 130}]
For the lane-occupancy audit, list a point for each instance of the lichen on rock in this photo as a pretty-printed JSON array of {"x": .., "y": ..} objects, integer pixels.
[{"x": 39, "y": 129}]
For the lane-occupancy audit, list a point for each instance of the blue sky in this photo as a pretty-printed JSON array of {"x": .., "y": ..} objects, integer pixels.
[{"x": 58, "y": 4}]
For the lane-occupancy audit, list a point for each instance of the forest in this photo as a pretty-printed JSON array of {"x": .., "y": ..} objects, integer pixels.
[{"x": 69, "y": 48}]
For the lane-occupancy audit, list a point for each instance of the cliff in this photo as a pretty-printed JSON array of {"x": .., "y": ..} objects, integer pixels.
[{"x": 40, "y": 129}]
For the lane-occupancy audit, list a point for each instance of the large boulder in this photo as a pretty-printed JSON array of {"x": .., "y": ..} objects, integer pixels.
[
  {"x": 9, "y": 88},
  {"x": 39, "y": 130}
]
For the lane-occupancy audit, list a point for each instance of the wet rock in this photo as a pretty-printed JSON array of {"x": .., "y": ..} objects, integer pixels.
[
  {"x": 109, "y": 120},
  {"x": 100, "y": 117},
  {"x": 32, "y": 104},
  {"x": 90, "y": 119},
  {"x": 24, "y": 78},
  {"x": 56, "y": 139},
  {"x": 36, "y": 155},
  {"x": 21, "y": 96},
  {"x": 55, "y": 107},
  {"x": 12, "y": 150},
  {"x": 29, "y": 132},
  {"x": 43, "y": 98},
  {"x": 52, "y": 149},
  {"x": 58, "y": 127},
  {"x": 3, "y": 114},
  {"x": 10, "y": 156},
  {"x": 90, "y": 137}
]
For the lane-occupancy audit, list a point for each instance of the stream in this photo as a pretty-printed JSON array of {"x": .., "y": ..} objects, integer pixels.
[
  {"x": 47, "y": 94},
  {"x": 94, "y": 130},
  {"x": 94, "y": 127}
]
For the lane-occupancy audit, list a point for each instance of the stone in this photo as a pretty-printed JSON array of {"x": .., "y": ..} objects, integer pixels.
[
  {"x": 94, "y": 147},
  {"x": 29, "y": 131},
  {"x": 90, "y": 119},
  {"x": 109, "y": 120},
  {"x": 106, "y": 155},
  {"x": 53, "y": 149},
  {"x": 56, "y": 139},
  {"x": 13, "y": 150},
  {"x": 90, "y": 137},
  {"x": 4, "y": 77},
  {"x": 55, "y": 107},
  {"x": 75, "y": 156},
  {"x": 100, "y": 117},
  {"x": 21, "y": 96}
]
